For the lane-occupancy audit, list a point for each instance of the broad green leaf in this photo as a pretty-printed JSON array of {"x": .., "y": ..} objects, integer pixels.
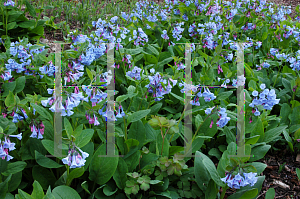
[
  {"x": 84, "y": 138},
  {"x": 75, "y": 173},
  {"x": 201, "y": 174},
  {"x": 252, "y": 140},
  {"x": 298, "y": 173},
  {"x": 259, "y": 152},
  {"x": 20, "y": 84},
  {"x": 65, "y": 192},
  {"x": 175, "y": 149},
  {"x": 9, "y": 86},
  {"x": 264, "y": 36},
  {"x": 102, "y": 168},
  {"x": 121, "y": 98},
  {"x": 68, "y": 128},
  {"x": 84, "y": 185},
  {"x": 42, "y": 111},
  {"x": 27, "y": 24},
  {"x": 177, "y": 97},
  {"x": 273, "y": 133},
  {"x": 108, "y": 191},
  {"x": 224, "y": 95},
  {"x": 59, "y": 152},
  {"x": 211, "y": 191},
  {"x": 46, "y": 162},
  {"x": 137, "y": 131},
  {"x": 4, "y": 186},
  {"x": 10, "y": 100},
  {"x": 138, "y": 115},
  {"x": 229, "y": 135},
  {"x": 212, "y": 170},
  {"x": 153, "y": 50},
  {"x": 44, "y": 176},
  {"x": 120, "y": 176},
  {"x": 270, "y": 193},
  {"x": 22, "y": 194},
  {"x": 77, "y": 131},
  {"x": 30, "y": 8},
  {"x": 247, "y": 194},
  {"x": 14, "y": 167},
  {"x": 89, "y": 74},
  {"x": 11, "y": 25},
  {"x": 37, "y": 191}
]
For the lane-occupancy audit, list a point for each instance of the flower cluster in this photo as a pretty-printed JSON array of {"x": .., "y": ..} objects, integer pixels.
[
  {"x": 72, "y": 101},
  {"x": 208, "y": 96},
  {"x": 155, "y": 86},
  {"x": 135, "y": 73},
  {"x": 177, "y": 31},
  {"x": 73, "y": 72},
  {"x": 24, "y": 55},
  {"x": 74, "y": 159},
  {"x": 127, "y": 60},
  {"x": 9, "y": 3},
  {"x": 223, "y": 119},
  {"x": 7, "y": 145},
  {"x": 164, "y": 35},
  {"x": 17, "y": 116},
  {"x": 139, "y": 38},
  {"x": 47, "y": 70},
  {"x": 267, "y": 98},
  {"x": 37, "y": 130},
  {"x": 239, "y": 181}
]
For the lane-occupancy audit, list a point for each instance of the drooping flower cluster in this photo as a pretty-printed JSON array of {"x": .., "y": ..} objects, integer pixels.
[
  {"x": 140, "y": 38},
  {"x": 223, "y": 119},
  {"x": 75, "y": 159},
  {"x": 7, "y": 145},
  {"x": 239, "y": 181},
  {"x": 72, "y": 101},
  {"x": 267, "y": 98},
  {"x": 21, "y": 60},
  {"x": 47, "y": 70},
  {"x": 155, "y": 86},
  {"x": 17, "y": 116},
  {"x": 37, "y": 130},
  {"x": 110, "y": 114},
  {"x": 208, "y": 96},
  {"x": 73, "y": 72},
  {"x": 135, "y": 73},
  {"x": 9, "y": 3}
]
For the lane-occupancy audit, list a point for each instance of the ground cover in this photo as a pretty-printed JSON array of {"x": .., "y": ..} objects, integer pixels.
[{"x": 149, "y": 103}]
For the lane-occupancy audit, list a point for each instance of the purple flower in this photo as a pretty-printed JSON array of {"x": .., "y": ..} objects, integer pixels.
[
  {"x": 19, "y": 136},
  {"x": 74, "y": 159},
  {"x": 9, "y": 3}
]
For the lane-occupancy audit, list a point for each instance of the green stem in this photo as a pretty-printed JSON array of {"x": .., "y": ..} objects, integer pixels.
[
  {"x": 199, "y": 128},
  {"x": 68, "y": 169},
  {"x": 129, "y": 105},
  {"x": 180, "y": 117},
  {"x": 224, "y": 191},
  {"x": 163, "y": 140},
  {"x": 6, "y": 23},
  {"x": 148, "y": 106},
  {"x": 125, "y": 128},
  {"x": 94, "y": 187},
  {"x": 277, "y": 76}
]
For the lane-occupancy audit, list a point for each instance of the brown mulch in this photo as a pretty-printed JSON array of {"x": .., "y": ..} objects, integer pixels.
[{"x": 285, "y": 182}]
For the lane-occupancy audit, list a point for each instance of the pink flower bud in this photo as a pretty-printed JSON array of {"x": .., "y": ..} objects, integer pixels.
[{"x": 210, "y": 126}]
